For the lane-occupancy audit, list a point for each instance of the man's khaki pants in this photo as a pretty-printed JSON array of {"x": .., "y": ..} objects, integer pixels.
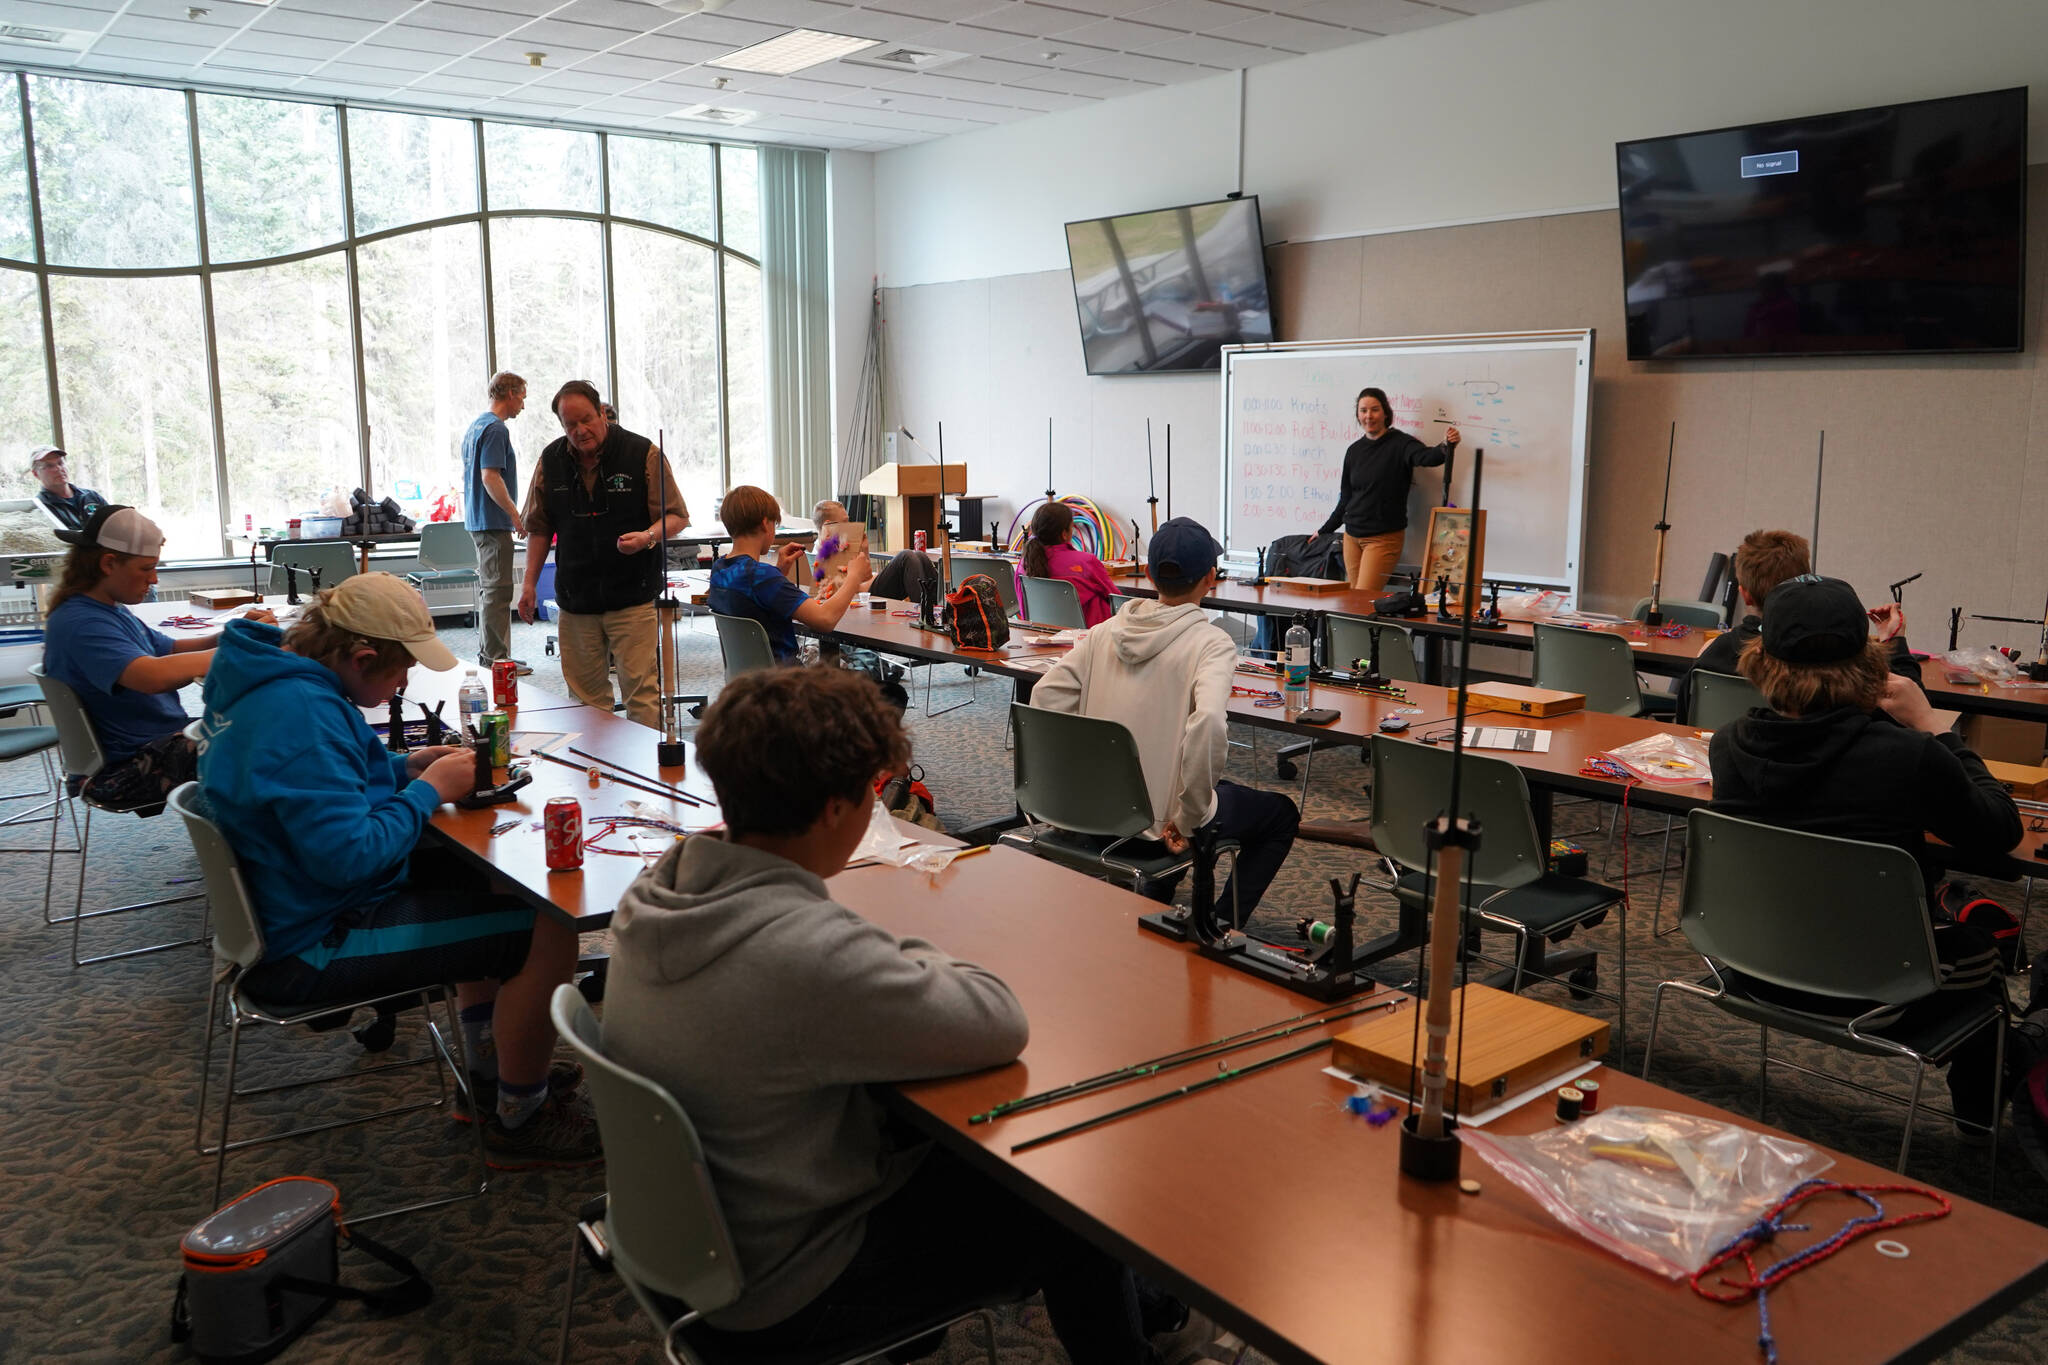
[{"x": 625, "y": 636}]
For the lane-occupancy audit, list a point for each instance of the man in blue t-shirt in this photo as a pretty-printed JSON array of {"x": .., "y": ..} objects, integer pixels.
[
  {"x": 743, "y": 584},
  {"x": 72, "y": 505},
  {"x": 490, "y": 471},
  {"x": 126, "y": 674}
]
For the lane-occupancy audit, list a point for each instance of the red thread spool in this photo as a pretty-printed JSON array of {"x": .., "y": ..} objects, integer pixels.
[{"x": 1591, "y": 1090}]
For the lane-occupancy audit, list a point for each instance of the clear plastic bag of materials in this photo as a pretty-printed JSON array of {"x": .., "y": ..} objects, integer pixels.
[
  {"x": 885, "y": 842},
  {"x": 1670, "y": 759},
  {"x": 1661, "y": 1189},
  {"x": 1532, "y": 606},
  {"x": 1973, "y": 665}
]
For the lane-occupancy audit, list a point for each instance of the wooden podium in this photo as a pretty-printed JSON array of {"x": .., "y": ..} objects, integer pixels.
[{"x": 912, "y": 495}]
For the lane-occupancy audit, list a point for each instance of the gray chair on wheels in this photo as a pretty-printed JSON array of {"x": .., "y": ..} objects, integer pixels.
[
  {"x": 1053, "y": 602},
  {"x": 79, "y": 745},
  {"x": 1683, "y": 611},
  {"x": 1079, "y": 778},
  {"x": 659, "y": 1224},
  {"x": 238, "y": 946},
  {"x": 1002, "y": 570},
  {"x": 334, "y": 559},
  {"x": 1838, "y": 918},
  {"x": 447, "y": 556},
  {"x": 742, "y": 644},
  {"x": 1513, "y": 890},
  {"x": 1720, "y": 699}
]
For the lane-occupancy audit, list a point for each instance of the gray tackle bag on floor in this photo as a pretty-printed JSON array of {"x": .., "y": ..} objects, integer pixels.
[{"x": 266, "y": 1265}]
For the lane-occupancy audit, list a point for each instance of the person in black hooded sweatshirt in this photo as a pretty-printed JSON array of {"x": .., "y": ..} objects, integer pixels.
[{"x": 1852, "y": 750}]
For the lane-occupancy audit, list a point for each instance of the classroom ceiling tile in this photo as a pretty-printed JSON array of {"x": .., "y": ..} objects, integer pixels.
[
  {"x": 1074, "y": 83},
  {"x": 939, "y": 11},
  {"x": 1286, "y": 31},
  {"x": 1220, "y": 52},
  {"x": 259, "y": 63},
  {"x": 397, "y": 60},
  {"x": 1020, "y": 16},
  {"x": 1132, "y": 66},
  {"x": 313, "y": 25},
  {"x": 673, "y": 49},
  {"x": 1374, "y": 16}
]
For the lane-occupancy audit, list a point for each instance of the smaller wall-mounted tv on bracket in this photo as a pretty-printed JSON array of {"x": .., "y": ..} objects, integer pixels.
[
  {"x": 1168, "y": 290},
  {"x": 1895, "y": 230}
]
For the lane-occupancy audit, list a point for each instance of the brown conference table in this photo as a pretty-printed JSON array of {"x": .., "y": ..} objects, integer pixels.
[
  {"x": 1335, "y": 1257},
  {"x": 1577, "y": 736}
]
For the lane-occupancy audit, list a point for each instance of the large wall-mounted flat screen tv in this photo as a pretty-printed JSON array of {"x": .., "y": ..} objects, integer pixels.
[
  {"x": 1169, "y": 289},
  {"x": 1900, "y": 229}
]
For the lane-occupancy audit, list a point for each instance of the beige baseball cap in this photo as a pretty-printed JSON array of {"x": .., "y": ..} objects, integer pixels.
[
  {"x": 382, "y": 606},
  {"x": 121, "y": 529}
]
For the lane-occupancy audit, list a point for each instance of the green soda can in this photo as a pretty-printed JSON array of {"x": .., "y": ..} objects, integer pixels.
[{"x": 498, "y": 727}]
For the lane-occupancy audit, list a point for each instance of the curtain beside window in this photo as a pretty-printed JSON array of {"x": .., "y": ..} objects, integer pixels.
[{"x": 796, "y": 280}]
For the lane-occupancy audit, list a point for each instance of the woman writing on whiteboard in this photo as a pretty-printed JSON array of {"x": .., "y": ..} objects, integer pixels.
[{"x": 1372, "y": 493}]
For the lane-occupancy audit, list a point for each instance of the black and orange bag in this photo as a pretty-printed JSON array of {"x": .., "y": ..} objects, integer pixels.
[{"x": 974, "y": 614}]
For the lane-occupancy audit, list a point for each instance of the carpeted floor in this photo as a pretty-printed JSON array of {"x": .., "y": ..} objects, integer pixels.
[{"x": 101, "y": 1176}]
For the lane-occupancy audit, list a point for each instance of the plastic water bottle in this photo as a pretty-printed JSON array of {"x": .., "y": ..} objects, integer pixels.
[
  {"x": 471, "y": 701},
  {"x": 1294, "y": 689}
]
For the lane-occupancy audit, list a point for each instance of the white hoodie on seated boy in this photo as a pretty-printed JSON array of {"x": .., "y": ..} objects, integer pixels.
[{"x": 1163, "y": 670}]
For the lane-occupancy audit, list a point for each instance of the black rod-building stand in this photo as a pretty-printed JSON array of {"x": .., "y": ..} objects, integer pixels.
[
  {"x": 1655, "y": 615},
  {"x": 668, "y": 750},
  {"x": 1430, "y": 1149}
]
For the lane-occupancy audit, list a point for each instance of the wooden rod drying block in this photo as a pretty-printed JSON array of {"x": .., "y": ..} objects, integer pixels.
[
  {"x": 1522, "y": 700},
  {"x": 1512, "y": 1043}
]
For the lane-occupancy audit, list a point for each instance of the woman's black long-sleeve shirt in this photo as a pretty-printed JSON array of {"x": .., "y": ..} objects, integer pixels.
[{"x": 1372, "y": 493}]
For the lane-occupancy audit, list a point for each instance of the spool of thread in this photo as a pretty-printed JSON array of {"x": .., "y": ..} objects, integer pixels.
[
  {"x": 1591, "y": 1090},
  {"x": 596, "y": 776},
  {"x": 1571, "y": 1102},
  {"x": 1319, "y": 932}
]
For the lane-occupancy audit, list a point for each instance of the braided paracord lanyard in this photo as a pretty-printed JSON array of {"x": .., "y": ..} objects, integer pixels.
[{"x": 1746, "y": 1243}]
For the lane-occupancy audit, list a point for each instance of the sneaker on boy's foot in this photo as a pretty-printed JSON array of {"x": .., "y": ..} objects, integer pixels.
[
  {"x": 563, "y": 1132},
  {"x": 521, "y": 667},
  {"x": 564, "y": 1078}
]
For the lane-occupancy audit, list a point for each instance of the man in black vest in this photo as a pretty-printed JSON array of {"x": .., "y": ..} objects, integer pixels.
[{"x": 597, "y": 497}]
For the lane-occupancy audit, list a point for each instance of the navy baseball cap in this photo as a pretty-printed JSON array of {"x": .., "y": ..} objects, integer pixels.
[
  {"x": 1814, "y": 620},
  {"x": 1182, "y": 551}
]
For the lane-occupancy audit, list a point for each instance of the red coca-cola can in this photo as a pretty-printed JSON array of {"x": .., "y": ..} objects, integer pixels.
[
  {"x": 917, "y": 541},
  {"x": 505, "y": 683},
  {"x": 562, "y": 818}
]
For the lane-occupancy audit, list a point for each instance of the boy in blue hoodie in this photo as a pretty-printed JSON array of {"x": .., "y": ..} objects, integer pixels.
[{"x": 324, "y": 822}]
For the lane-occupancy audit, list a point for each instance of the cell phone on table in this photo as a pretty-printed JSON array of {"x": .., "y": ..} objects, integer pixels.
[{"x": 1317, "y": 715}]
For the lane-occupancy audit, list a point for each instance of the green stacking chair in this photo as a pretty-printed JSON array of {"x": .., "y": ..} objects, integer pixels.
[
  {"x": 1514, "y": 891},
  {"x": 1053, "y": 602},
  {"x": 1838, "y": 918},
  {"x": 743, "y": 645},
  {"x": 1720, "y": 699},
  {"x": 1684, "y": 611}
]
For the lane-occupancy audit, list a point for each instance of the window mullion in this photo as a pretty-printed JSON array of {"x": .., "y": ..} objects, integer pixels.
[{"x": 220, "y": 437}]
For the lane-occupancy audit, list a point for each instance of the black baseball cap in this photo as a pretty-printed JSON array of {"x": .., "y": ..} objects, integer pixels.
[
  {"x": 1814, "y": 620},
  {"x": 1182, "y": 550}
]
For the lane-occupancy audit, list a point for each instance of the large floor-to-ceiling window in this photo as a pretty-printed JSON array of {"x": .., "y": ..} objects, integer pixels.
[{"x": 228, "y": 309}]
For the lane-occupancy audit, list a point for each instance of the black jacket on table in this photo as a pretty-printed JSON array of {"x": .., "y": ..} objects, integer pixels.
[
  {"x": 1858, "y": 774},
  {"x": 1372, "y": 492},
  {"x": 1724, "y": 655}
]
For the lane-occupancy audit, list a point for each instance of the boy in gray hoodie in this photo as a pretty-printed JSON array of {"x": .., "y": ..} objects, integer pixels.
[{"x": 768, "y": 1010}]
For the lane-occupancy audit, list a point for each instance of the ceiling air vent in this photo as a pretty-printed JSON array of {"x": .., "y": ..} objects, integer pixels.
[
  {"x": 711, "y": 113},
  {"x": 42, "y": 37},
  {"x": 903, "y": 57}
]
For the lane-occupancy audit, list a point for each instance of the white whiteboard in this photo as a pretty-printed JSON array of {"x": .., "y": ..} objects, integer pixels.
[{"x": 1521, "y": 396}]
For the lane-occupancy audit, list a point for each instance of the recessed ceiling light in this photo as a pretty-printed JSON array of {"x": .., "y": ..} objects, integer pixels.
[
  {"x": 793, "y": 51},
  {"x": 712, "y": 113}
]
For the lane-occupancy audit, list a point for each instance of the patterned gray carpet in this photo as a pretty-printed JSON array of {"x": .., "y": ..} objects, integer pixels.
[{"x": 101, "y": 1176}]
